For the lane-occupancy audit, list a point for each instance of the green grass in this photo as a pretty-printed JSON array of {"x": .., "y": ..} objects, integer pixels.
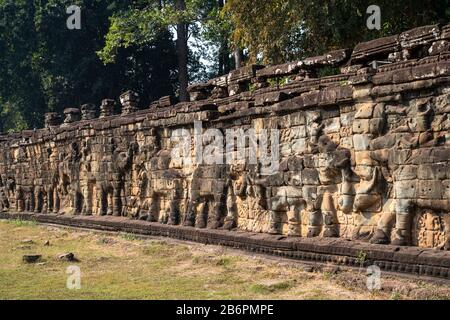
[
  {"x": 21, "y": 223},
  {"x": 361, "y": 257},
  {"x": 396, "y": 296},
  {"x": 225, "y": 262},
  {"x": 127, "y": 267},
  {"x": 271, "y": 288},
  {"x": 129, "y": 236}
]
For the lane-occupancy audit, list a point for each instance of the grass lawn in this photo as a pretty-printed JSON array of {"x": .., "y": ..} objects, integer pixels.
[{"x": 125, "y": 267}]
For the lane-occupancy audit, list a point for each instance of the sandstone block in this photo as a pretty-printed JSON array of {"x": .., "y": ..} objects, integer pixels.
[
  {"x": 436, "y": 171},
  {"x": 406, "y": 172},
  {"x": 361, "y": 142},
  {"x": 361, "y": 126},
  {"x": 430, "y": 189},
  {"x": 407, "y": 189},
  {"x": 310, "y": 176}
]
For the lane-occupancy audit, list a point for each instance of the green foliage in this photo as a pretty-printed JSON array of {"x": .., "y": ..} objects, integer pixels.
[
  {"x": 217, "y": 29},
  {"x": 46, "y": 67},
  {"x": 129, "y": 236},
  {"x": 138, "y": 26},
  {"x": 271, "y": 288},
  {"x": 265, "y": 27},
  {"x": 273, "y": 82},
  {"x": 275, "y": 31},
  {"x": 129, "y": 44},
  {"x": 132, "y": 27},
  {"x": 396, "y": 296},
  {"x": 11, "y": 118},
  {"x": 135, "y": 26},
  {"x": 361, "y": 257},
  {"x": 21, "y": 100},
  {"x": 22, "y": 223},
  {"x": 225, "y": 262},
  {"x": 251, "y": 87}
]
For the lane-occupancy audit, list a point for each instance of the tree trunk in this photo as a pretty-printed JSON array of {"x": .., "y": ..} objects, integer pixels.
[
  {"x": 224, "y": 51},
  {"x": 221, "y": 70},
  {"x": 182, "y": 52},
  {"x": 238, "y": 57},
  {"x": 225, "y": 57}
]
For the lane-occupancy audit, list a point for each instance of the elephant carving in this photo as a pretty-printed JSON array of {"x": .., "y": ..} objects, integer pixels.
[
  {"x": 206, "y": 207},
  {"x": 164, "y": 191},
  {"x": 110, "y": 183}
]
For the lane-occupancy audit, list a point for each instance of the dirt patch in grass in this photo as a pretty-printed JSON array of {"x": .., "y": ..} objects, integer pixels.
[{"x": 124, "y": 266}]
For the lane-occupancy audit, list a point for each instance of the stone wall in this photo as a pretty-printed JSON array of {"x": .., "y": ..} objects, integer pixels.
[{"x": 363, "y": 154}]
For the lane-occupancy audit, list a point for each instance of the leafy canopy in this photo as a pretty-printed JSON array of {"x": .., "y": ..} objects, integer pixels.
[{"x": 275, "y": 31}]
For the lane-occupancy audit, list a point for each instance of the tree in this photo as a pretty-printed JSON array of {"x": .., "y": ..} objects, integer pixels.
[
  {"x": 156, "y": 47},
  {"x": 73, "y": 74},
  {"x": 216, "y": 34},
  {"x": 46, "y": 67},
  {"x": 21, "y": 100},
  {"x": 141, "y": 23},
  {"x": 264, "y": 27},
  {"x": 182, "y": 48},
  {"x": 274, "y": 31}
]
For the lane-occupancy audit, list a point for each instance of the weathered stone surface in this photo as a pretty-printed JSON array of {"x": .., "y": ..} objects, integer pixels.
[
  {"x": 71, "y": 115},
  {"x": 419, "y": 36},
  {"x": 439, "y": 47},
  {"x": 369, "y": 50},
  {"x": 243, "y": 74},
  {"x": 364, "y": 154},
  {"x": 107, "y": 108},
  {"x": 166, "y": 101},
  {"x": 280, "y": 70},
  {"x": 88, "y": 111},
  {"x": 332, "y": 58},
  {"x": 69, "y": 256},
  {"x": 270, "y": 98},
  {"x": 31, "y": 258},
  {"x": 129, "y": 101},
  {"x": 52, "y": 119}
]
